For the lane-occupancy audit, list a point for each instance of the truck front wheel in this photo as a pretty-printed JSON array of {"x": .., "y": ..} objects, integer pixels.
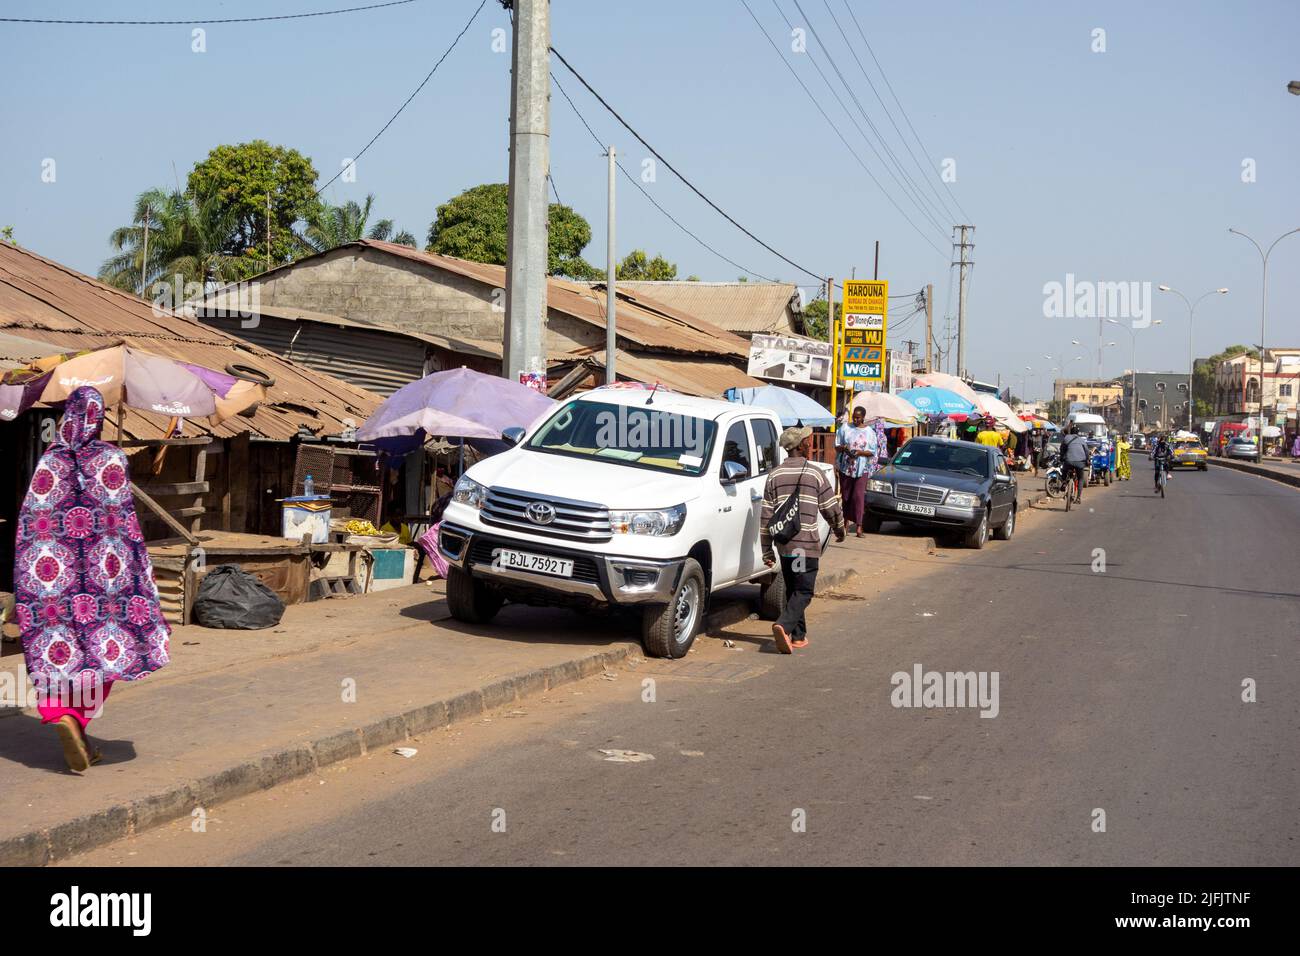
[
  {"x": 668, "y": 630},
  {"x": 471, "y": 601},
  {"x": 771, "y": 596}
]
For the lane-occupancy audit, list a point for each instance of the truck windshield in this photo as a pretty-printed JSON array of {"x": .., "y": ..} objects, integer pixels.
[
  {"x": 966, "y": 459},
  {"x": 628, "y": 435}
]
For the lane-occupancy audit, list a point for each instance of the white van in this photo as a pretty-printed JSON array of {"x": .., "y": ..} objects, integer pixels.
[{"x": 1092, "y": 427}]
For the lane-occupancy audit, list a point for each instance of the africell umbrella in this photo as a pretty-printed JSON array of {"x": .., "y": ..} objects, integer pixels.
[
  {"x": 457, "y": 403},
  {"x": 148, "y": 382},
  {"x": 20, "y": 389}
]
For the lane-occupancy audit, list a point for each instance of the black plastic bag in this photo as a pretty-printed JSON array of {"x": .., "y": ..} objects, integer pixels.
[{"x": 230, "y": 597}]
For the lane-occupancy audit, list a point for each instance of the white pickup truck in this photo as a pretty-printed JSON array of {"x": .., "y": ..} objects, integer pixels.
[{"x": 620, "y": 497}]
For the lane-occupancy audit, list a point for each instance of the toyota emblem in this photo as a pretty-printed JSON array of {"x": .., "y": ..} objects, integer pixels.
[{"x": 539, "y": 512}]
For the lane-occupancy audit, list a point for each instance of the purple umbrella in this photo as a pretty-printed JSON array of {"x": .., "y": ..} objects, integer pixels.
[{"x": 457, "y": 403}]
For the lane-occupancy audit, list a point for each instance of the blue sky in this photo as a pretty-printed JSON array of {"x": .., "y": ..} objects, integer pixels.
[{"x": 1124, "y": 165}]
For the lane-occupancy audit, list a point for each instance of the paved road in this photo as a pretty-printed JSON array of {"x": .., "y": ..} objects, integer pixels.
[{"x": 1118, "y": 690}]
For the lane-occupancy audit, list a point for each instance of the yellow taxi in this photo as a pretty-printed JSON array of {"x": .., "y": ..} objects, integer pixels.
[{"x": 1188, "y": 453}]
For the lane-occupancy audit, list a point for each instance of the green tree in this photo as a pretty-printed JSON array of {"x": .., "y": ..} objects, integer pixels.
[
  {"x": 474, "y": 224},
  {"x": 187, "y": 238},
  {"x": 241, "y": 177},
  {"x": 815, "y": 320},
  {"x": 636, "y": 265},
  {"x": 328, "y": 226}
]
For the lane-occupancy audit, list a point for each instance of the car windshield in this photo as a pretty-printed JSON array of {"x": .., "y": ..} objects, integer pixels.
[
  {"x": 628, "y": 435},
  {"x": 963, "y": 459}
]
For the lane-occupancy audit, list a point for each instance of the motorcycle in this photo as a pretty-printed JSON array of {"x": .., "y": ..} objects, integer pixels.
[{"x": 1055, "y": 477}]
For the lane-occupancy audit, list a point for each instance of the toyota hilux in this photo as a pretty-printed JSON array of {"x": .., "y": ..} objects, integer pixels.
[{"x": 622, "y": 497}]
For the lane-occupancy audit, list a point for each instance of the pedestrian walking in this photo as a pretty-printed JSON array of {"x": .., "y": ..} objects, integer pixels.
[
  {"x": 856, "y": 447},
  {"x": 86, "y": 602},
  {"x": 1122, "y": 469},
  {"x": 800, "y": 553}
]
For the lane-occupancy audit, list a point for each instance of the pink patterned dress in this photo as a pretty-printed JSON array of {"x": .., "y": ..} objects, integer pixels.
[{"x": 85, "y": 596}]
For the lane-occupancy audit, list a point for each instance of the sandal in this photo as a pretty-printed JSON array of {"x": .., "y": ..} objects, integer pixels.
[{"x": 74, "y": 743}]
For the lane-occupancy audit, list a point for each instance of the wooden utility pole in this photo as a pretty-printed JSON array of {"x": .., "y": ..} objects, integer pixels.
[
  {"x": 929, "y": 325},
  {"x": 144, "y": 260}
]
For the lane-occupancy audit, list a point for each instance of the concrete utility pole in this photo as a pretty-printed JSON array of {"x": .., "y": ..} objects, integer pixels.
[
  {"x": 530, "y": 118},
  {"x": 929, "y": 325},
  {"x": 611, "y": 278},
  {"x": 965, "y": 262}
]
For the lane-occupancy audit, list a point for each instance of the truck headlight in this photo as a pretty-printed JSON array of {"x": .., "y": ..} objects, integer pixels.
[
  {"x": 883, "y": 487},
  {"x": 469, "y": 492},
  {"x": 960, "y": 499},
  {"x": 661, "y": 522}
]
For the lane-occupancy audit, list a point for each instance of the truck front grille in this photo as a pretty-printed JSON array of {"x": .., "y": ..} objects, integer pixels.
[{"x": 580, "y": 520}]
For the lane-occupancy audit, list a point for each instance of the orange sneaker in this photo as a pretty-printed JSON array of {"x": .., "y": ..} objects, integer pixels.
[{"x": 782, "y": 639}]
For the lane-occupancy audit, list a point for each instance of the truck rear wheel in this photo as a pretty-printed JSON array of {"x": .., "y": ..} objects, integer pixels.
[
  {"x": 668, "y": 630},
  {"x": 471, "y": 601},
  {"x": 771, "y": 596}
]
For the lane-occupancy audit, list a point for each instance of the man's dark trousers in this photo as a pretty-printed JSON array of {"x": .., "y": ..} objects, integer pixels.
[{"x": 800, "y": 574}]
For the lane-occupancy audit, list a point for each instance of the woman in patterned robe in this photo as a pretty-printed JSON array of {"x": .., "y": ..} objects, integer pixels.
[{"x": 85, "y": 596}]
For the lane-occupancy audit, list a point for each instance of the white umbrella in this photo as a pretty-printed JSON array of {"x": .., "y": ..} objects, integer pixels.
[
  {"x": 886, "y": 406},
  {"x": 951, "y": 382},
  {"x": 1001, "y": 412}
]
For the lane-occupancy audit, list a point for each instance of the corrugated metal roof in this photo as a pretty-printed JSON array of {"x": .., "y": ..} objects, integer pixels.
[
  {"x": 640, "y": 321},
  {"x": 44, "y": 301},
  {"x": 479, "y": 348},
  {"x": 744, "y": 307},
  {"x": 689, "y": 376}
]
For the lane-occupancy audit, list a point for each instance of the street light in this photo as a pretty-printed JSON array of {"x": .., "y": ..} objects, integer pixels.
[
  {"x": 1132, "y": 405},
  {"x": 1191, "y": 362},
  {"x": 1263, "y": 314}
]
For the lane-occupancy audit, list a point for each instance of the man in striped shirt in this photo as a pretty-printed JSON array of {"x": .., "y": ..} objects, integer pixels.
[{"x": 799, "y": 556}]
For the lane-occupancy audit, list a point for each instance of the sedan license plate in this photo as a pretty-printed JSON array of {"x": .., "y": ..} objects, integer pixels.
[
  {"x": 540, "y": 563},
  {"x": 916, "y": 509}
]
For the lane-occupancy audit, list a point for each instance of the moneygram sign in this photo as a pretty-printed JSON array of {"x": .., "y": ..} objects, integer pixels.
[{"x": 864, "y": 319}]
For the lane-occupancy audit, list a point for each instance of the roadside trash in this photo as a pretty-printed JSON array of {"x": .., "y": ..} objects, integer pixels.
[
  {"x": 190, "y": 643},
  {"x": 230, "y": 597},
  {"x": 927, "y": 614},
  {"x": 407, "y": 752},
  {"x": 727, "y": 642},
  {"x": 919, "y": 797},
  {"x": 516, "y": 713},
  {"x": 691, "y": 753},
  {"x": 609, "y": 675},
  {"x": 626, "y": 756}
]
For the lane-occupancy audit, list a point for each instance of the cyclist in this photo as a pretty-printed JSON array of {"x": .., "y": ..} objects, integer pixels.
[
  {"x": 1162, "y": 456},
  {"x": 1074, "y": 459}
]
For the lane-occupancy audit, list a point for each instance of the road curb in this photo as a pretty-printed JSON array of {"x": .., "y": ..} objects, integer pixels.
[
  {"x": 1253, "y": 469},
  {"x": 270, "y": 768}
]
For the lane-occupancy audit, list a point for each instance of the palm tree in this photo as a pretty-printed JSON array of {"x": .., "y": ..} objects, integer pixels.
[
  {"x": 185, "y": 238},
  {"x": 330, "y": 226}
]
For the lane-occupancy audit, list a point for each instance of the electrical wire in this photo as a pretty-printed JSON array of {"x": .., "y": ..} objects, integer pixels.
[
  {"x": 925, "y": 174},
  {"x": 924, "y": 152},
  {"x": 835, "y": 129},
  {"x": 177, "y": 23},
  {"x": 673, "y": 169},
  {"x": 910, "y": 189},
  {"x": 633, "y": 180},
  {"x": 407, "y": 103}
]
